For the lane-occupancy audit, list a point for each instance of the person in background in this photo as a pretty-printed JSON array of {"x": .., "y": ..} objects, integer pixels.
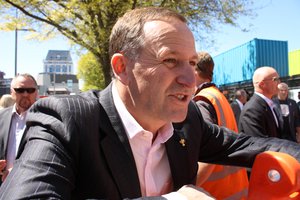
[
  {"x": 298, "y": 103},
  {"x": 6, "y": 101},
  {"x": 222, "y": 182},
  {"x": 238, "y": 103},
  {"x": 259, "y": 116},
  {"x": 140, "y": 137},
  {"x": 12, "y": 119},
  {"x": 289, "y": 112}
]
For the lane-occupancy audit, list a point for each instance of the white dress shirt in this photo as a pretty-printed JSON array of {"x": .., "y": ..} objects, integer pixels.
[
  {"x": 16, "y": 131},
  {"x": 240, "y": 104}
]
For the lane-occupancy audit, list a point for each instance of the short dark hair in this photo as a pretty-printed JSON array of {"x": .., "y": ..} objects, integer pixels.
[
  {"x": 240, "y": 93},
  {"x": 205, "y": 65},
  {"x": 127, "y": 35},
  {"x": 25, "y": 75}
]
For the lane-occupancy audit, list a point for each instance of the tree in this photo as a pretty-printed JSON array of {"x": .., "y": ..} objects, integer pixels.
[
  {"x": 90, "y": 72},
  {"x": 88, "y": 23}
]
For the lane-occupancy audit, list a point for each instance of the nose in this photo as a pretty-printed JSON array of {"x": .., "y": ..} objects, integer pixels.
[
  {"x": 25, "y": 93},
  {"x": 187, "y": 77}
]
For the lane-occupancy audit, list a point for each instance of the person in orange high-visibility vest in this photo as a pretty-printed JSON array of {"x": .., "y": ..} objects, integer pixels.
[{"x": 222, "y": 182}]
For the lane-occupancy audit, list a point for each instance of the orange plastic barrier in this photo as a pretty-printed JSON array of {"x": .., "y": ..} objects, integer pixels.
[{"x": 274, "y": 176}]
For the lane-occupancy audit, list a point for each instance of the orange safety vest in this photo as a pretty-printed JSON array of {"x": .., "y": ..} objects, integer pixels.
[{"x": 225, "y": 182}]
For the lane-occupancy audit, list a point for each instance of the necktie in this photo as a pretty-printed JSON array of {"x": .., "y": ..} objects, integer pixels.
[{"x": 275, "y": 112}]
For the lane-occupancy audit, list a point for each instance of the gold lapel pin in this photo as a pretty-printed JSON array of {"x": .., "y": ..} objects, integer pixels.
[{"x": 182, "y": 142}]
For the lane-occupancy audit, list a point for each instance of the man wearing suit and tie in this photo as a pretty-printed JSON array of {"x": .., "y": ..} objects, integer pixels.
[
  {"x": 142, "y": 136},
  {"x": 259, "y": 116},
  {"x": 238, "y": 103},
  {"x": 289, "y": 112},
  {"x": 12, "y": 120}
]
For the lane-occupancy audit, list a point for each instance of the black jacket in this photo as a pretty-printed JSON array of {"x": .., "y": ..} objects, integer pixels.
[{"x": 76, "y": 148}]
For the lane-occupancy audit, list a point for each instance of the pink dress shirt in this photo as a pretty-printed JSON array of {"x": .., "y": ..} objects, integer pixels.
[{"x": 150, "y": 158}]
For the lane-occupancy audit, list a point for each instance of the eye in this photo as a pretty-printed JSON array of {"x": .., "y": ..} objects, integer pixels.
[
  {"x": 170, "y": 62},
  {"x": 193, "y": 63}
]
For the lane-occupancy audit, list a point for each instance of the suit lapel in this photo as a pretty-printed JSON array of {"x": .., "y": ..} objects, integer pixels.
[
  {"x": 279, "y": 116},
  {"x": 178, "y": 157},
  {"x": 272, "y": 126},
  {"x": 5, "y": 132},
  {"x": 117, "y": 149}
]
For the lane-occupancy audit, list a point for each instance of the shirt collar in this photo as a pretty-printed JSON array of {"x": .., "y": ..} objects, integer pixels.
[
  {"x": 239, "y": 103},
  {"x": 132, "y": 127},
  {"x": 269, "y": 101},
  {"x": 15, "y": 113}
]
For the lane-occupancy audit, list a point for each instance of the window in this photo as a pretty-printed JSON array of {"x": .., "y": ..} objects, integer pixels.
[
  {"x": 64, "y": 68},
  {"x": 51, "y": 68},
  {"x": 57, "y": 69}
]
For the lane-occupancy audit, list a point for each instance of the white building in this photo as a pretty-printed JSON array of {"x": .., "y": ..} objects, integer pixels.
[
  {"x": 59, "y": 62},
  {"x": 58, "y": 77}
]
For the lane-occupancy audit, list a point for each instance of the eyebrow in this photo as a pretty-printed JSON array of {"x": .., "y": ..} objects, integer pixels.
[{"x": 195, "y": 56}]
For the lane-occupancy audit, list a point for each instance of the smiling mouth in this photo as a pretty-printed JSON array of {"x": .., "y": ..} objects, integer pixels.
[{"x": 182, "y": 97}]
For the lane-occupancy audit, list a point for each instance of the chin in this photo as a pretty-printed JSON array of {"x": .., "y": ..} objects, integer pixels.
[{"x": 180, "y": 117}]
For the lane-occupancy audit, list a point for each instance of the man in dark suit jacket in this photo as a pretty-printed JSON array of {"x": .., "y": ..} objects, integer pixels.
[
  {"x": 258, "y": 117},
  {"x": 238, "y": 103},
  {"x": 5, "y": 119},
  {"x": 101, "y": 145},
  {"x": 298, "y": 103},
  {"x": 289, "y": 111},
  {"x": 12, "y": 120}
]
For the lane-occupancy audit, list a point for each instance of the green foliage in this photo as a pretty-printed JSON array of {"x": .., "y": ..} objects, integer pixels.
[
  {"x": 90, "y": 72},
  {"x": 88, "y": 23}
]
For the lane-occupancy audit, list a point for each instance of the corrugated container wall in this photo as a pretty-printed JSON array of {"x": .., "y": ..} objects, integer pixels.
[
  {"x": 238, "y": 64},
  {"x": 294, "y": 62}
]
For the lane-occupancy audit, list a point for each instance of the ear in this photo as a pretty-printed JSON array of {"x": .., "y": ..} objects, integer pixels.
[
  {"x": 12, "y": 93},
  {"x": 118, "y": 63},
  {"x": 261, "y": 84}
]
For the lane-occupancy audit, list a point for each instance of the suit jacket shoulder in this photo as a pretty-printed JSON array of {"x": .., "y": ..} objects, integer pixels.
[
  {"x": 236, "y": 110},
  {"x": 257, "y": 119},
  {"x": 74, "y": 137},
  {"x": 5, "y": 120}
]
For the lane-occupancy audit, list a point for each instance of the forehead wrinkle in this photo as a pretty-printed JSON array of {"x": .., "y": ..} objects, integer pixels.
[{"x": 162, "y": 37}]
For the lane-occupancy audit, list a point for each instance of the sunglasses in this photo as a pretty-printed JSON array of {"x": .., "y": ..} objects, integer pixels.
[
  {"x": 272, "y": 79},
  {"x": 22, "y": 90}
]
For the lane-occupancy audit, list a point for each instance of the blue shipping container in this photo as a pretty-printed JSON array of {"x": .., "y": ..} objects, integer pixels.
[{"x": 239, "y": 63}]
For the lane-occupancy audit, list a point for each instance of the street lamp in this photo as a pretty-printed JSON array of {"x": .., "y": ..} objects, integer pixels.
[
  {"x": 16, "y": 46},
  {"x": 16, "y": 43}
]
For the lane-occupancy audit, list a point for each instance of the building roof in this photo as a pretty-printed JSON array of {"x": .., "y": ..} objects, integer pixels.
[{"x": 59, "y": 55}]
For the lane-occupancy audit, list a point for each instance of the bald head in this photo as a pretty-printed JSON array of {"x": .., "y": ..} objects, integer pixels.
[{"x": 265, "y": 81}]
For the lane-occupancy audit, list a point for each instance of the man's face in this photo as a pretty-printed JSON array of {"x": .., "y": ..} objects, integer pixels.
[
  {"x": 162, "y": 80},
  {"x": 24, "y": 99},
  {"x": 271, "y": 84},
  {"x": 282, "y": 93},
  {"x": 244, "y": 99}
]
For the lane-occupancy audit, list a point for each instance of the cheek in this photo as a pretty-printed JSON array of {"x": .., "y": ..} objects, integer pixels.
[{"x": 14, "y": 96}]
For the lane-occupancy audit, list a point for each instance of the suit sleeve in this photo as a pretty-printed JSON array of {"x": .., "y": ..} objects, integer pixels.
[
  {"x": 235, "y": 109},
  {"x": 252, "y": 122},
  {"x": 45, "y": 166},
  {"x": 297, "y": 115},
  {"x": 207, "y": 110},
  {"x": 219, "y": 145}
]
